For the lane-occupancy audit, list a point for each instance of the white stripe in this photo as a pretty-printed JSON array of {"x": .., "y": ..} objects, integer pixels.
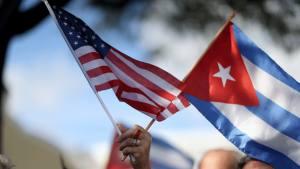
[
  {"x": 177, "y": 102},
  {"x": 166, "y": 113},
  {"x": 103, "y": 78},
  {"x": 132, "y": 83},
  {"x": 136, "y": 97},
  {"x": 260, "y": 131},
  {"x": 168, "y": 157},
  {"x": 84, "y": 50},
  {"x": 156, "y": 79},
  {"x": 272, "y": 88},
  {"x": 94, "y": 64}
]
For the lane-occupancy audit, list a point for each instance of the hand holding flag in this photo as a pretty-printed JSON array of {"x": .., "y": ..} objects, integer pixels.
[{"x": 163, "y": 155}]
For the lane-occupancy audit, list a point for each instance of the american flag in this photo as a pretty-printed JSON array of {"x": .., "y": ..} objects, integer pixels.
[{"x": 143, "y": 86}]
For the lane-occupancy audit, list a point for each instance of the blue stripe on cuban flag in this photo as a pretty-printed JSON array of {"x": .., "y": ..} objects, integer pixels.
[
  {"x": 279, "y": 98},
  {"x": 271, "y": 131},
  {"x": 165, "y": 156},
  {"x": 262, "y": 60},
  {"x": 242, "y": 135}
]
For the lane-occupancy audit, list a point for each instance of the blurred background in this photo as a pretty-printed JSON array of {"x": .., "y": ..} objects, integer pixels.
[{"x": 50, "y": 111}]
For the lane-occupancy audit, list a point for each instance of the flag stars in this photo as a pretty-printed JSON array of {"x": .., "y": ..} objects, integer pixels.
[
  {"x": 102, "y": 45},
  {"x": 224, "y": 74},
  {"x": 75, "y": 43},
  {"x": 93, "y": 37},
  {"x": 60, "y": 12},
  {"x": 65, "y": 18},
  {"x": 70, "y": 33},
  {"x": 78, "y": 36},
  {"x": 65, "y": 23},
  {"x": 83, "y": 29},
  {"x": 72, "y": 27},
  {"x": 95, "y": 45},
  {"x": 86, "y": 41}
]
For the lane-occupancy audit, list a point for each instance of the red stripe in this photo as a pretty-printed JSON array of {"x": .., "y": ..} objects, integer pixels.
[
  {"x": 140, "y": 79},
  {"x": 124, "y": 87},
  {"x": 142, "y": 106},
  {"x": 98, "y": 71},
  {"x": 107, "y": 85},
  {"x": 160, "y": 118},
  {"x": 89, "y": 57},
  {"x": 172, "y": 108},
  {"x": 156, "y": 70},
  {"x": 183, "y": 100}
]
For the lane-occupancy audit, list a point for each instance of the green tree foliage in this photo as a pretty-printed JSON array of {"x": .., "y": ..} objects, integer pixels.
[{"x": 281, "y": 18}]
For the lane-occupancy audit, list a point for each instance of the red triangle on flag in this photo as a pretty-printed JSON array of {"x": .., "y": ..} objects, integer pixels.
[{"x": 221, "y": 74}]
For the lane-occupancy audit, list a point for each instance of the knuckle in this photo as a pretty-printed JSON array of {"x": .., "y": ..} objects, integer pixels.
[{"x": 126, "y": 150}]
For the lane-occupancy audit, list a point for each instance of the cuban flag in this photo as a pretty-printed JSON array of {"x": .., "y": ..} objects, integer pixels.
[
  {"x": 164, "y": 155},
  {"x": 253, "y": 102}
]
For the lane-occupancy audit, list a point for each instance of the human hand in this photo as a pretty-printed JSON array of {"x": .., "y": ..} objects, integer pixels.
[{"x": 139, "y": 148}]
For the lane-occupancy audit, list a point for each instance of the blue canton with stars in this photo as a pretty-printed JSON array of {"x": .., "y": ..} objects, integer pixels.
[{"x": 78, "y": 33}]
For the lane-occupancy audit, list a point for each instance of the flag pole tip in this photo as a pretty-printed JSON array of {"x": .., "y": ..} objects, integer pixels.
[{"x": 232, "y": 15}]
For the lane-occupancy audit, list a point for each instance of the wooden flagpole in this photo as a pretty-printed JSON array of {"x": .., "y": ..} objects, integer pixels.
[
  {"x": 150, "y": 124},
  {"x": 228, "y": 20}
]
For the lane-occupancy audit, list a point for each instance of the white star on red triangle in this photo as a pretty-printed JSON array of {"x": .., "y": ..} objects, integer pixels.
[{"x": 224, "y": 74}]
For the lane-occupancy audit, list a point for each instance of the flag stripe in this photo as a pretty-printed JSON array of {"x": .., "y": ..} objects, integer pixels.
[
  {"x": 178, "y": 103},
  {"x": 168, "y": 159},
  {"x": 172, "y": 157},
  {"x": 136, "y": 97},
  {"x": 98, "y": 71},
  {"x": 172, "y": 108},
  {"x": 274, "y": 114},
  {"x": 156, "y": 70},
  {"x": 274, "y": 89},
  {"x": 104, "y": 78},
  {"x": 165, "y": 114},
  {"x": 183, "y": 100},
  {"x": 84, "y": 50},
  {"x": 139, "y": 78},
  {"x": 143, "y": 107},
  {"x": 239, "y": 138},
  {"x": 268, "y": 136},
  {"x": 107, "y": 85},
  {"x": 125, "y": 87},
  {"x": 130, "y": 82},
  {"x": 94, "y": 64},
  {"x": 258, "y": 57},
  {"x": 88, "y": 57},
  {"x": 150, "y": 76},
  {"x": 161, "y": 165}
]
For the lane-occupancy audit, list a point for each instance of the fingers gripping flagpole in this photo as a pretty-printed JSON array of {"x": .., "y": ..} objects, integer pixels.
[{"x": 96, "y": 93}]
